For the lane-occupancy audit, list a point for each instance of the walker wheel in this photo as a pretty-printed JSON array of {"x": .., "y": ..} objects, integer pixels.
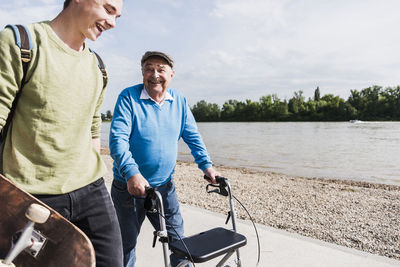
[
  {"x": 2, "y": 264},
  {"x": 37, "y": 213}
]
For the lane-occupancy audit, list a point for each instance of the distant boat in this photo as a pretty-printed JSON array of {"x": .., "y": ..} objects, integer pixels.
[{"x": 356, "y": 121}]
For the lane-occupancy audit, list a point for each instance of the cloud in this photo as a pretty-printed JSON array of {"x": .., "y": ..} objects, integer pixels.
[
  {"x": 122, "y": 72},
  {"x": 235, "y": 49},
  {"x": 24, "y": 12},
  {"x": 262, "y": 47},
  {"x": 255, "y": 10}
]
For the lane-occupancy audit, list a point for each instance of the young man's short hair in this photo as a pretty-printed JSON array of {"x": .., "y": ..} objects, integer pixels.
[{"x": 66, "y": 3}]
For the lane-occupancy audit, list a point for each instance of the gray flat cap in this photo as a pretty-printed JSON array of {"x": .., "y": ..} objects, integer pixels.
[{"x": 149, "y": 54}]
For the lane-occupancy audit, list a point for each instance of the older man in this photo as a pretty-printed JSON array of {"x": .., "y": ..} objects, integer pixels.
[
  {"x": 148, "y": 121},
  {"x": 52, "y": 147}
]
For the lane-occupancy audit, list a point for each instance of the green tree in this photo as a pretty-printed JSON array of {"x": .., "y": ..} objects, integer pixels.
[
  {"x": 266, "y": 103},
  {"x": 390, "y": 101},
  {"x": 297, "y": 105},
  {"x": 371, "y": 97},
  {"x": 331, "y": 108},
  {"x": 204, "y": 111},
  {"x": 280, "y": 109},
  {"x": 228, "y": 110},
  {"x": 317, "y": 94},
  {"x": 251, "y": 111},
  {"x": 109, "y": 115}
]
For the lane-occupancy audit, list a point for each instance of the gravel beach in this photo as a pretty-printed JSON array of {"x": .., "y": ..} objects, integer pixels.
[{"x": 359, "y": 215}]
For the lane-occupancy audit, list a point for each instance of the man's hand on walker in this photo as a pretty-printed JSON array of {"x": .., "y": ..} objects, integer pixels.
[
  {"x": 136, "y": 185},
  {"x": 211, "y": 173}
]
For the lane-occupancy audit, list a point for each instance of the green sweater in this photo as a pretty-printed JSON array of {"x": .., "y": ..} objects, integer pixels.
[{"x": 48, "y": 149}]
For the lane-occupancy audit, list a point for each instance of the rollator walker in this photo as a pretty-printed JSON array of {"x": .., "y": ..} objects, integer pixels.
[{"x": 203, "y": 246}]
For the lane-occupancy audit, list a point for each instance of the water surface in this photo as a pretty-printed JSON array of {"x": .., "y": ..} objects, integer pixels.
[{"x": 359, "y": 151}]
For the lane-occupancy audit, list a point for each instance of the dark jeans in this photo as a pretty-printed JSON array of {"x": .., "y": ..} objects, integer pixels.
[
  {"x": 131, "y": 214},
  {"x": 90, "y": 208}
]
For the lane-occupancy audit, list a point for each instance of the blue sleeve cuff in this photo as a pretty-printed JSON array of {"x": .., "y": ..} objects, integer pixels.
[
  {"x": 205, "y": 165},
  {"x": 131, "y": 172}
]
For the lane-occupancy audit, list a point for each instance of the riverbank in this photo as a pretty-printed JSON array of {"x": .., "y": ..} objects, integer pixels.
[{"x": 359, "y": 215}]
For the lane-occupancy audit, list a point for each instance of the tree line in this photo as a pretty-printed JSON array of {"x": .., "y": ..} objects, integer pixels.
[{"x": 372, "y": 103}]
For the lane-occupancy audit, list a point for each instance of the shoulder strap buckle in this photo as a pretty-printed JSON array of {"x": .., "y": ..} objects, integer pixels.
[
  {"x": 25, "y": 55},
  {"x": 23, "y": 40}
]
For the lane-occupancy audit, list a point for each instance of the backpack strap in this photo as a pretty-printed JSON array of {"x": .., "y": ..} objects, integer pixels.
[
  {"x": 101, "y": 65},
  {"x": 24, "y": 41}
]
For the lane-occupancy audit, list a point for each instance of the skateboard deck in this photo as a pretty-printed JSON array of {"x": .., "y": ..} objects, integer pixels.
[{"x": 64, "y": 245}]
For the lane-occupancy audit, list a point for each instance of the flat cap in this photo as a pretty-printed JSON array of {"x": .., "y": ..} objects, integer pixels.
[{"x": 149, "y": 54}]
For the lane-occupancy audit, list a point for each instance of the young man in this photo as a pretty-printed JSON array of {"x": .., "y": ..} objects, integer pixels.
[
  {"x": 148, "y": 121},
  {"x": 52, "y": 147}
]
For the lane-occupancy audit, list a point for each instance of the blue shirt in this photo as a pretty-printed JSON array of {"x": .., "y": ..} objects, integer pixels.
[{"x": 144, "y": 136}]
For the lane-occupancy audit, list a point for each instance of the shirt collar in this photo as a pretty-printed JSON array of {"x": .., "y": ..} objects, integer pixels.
[{"x": 145, "y": 95}]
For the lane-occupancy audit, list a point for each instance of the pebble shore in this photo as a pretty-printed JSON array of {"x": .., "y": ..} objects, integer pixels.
[{"x": 359, "y": 215}]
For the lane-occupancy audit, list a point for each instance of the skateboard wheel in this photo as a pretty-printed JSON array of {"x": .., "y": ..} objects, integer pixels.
[
  {"x": 2, "y": 264},
  {"x": 37, "y": 213}
]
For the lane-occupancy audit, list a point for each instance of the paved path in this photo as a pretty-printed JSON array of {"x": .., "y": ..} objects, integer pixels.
[{"x": 278, "y": 248}]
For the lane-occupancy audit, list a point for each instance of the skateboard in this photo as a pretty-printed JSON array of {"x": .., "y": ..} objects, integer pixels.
[{"x": 33, "y": 234}]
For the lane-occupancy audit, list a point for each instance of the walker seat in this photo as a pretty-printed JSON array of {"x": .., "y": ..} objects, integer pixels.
[{"x": 209, "y": 244}]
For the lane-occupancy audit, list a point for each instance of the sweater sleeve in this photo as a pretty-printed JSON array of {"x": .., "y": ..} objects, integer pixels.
[
  {"x": 11, "y": 73},
  {"x": 120, "y": 131},
  {"x": 193, "y": 139}
]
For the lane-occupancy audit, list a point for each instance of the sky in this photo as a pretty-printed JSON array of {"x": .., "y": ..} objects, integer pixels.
[{"x": 245, "y": 49}]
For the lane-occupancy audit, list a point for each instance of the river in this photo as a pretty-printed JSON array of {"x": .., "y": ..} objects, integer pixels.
[{"x": 366, "y": 151}]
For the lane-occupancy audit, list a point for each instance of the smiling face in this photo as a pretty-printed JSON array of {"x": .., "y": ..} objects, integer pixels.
[
  {"x": 157, "y": 75},
  {"x": 97, "y": 16}
]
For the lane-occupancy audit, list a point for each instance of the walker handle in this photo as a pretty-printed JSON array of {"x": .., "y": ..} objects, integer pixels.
[
  {"x": 220, "y": 180},
  {"x": 221, "y": 187},
  {"x": 150, "y": 203}
]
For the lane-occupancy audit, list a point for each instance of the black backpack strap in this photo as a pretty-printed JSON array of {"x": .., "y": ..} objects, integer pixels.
[
  {"x": 24, "y": 41},
  {"x": 101, "y": 65}
]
